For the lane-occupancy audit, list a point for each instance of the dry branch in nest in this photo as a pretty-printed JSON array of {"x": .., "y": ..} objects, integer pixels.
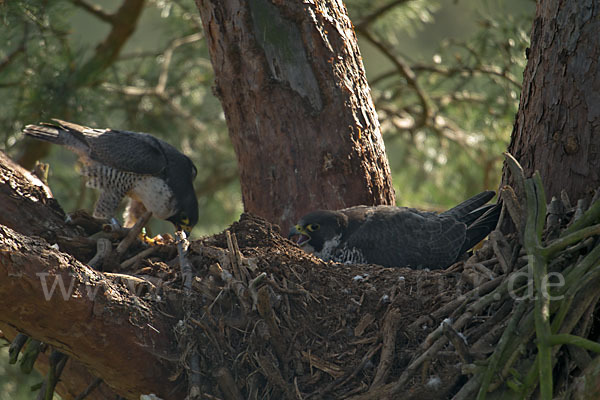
[{"x": 262, "y": 319}]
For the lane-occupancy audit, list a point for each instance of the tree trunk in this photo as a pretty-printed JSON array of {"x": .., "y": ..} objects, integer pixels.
[
  {"x": 558, "y": 123},
  {"x": 299, "y": 110}
]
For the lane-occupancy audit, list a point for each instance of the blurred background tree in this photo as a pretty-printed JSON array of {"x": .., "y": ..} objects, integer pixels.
[{"x": 445, "y": 77}]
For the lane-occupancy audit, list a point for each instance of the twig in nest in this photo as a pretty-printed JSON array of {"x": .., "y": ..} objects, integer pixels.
[
  {"x": 236, "y": 259},
  {"x": 488, "y": 273},
  {"x": 253, "y": 288},
  {"x": 328, "y": 367},
  {"x": 458, "y": 341},
  {"x": 517, "y": 172},
  {"x": 133, "y": 283},
  {"x": 579, "y": 210},
  {"x": 15, "y": 347},
  {"x": 133, "y": 233},
  {"x": 187, "y": 277},
  {"x": 515, "y": 210},
  {"x": 286, "y": 290},
  {"x": 32, "y": 351},
  {"x": 187, "y": 274},
  {"x": 227, "y": 384},
  {"x": 265, "y": 310},
  {"x": 555, "y": 212},
  {"x": 273, "y": 375},
  {"x": 138, "y": 257},
  {"x": 591, "y": 216},
  {"x": 57, "y": 363},
  {"x": 454, "y": 304},
  {"x": 386, "y": 359},
  {"x": 91, "y": 387},
  {"x": 349, "y": 374},
  {"x": 236, "y": 286},
  {"x": 103, "y": 251},
  {"x": 501, "y": 250},
  {"x": 411, "y": 369}
]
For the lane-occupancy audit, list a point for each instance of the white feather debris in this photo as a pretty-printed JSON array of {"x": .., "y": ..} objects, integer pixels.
[
  {"x": 434, "y": 382},
  {"x": 358, "y": 278}
]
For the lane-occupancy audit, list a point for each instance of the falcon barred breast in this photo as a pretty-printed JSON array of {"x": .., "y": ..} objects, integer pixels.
[
  {"x": 397, "y": 236},
  {"x": 153, "y": 174}
]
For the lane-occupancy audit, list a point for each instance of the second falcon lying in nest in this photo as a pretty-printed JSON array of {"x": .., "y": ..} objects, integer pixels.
[{"x": 397, "y": 236}]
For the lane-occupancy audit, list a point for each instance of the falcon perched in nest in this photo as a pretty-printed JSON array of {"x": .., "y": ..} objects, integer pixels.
[
  {"x": 154, "y": 174},
  {"x": 397, "y": 236}
]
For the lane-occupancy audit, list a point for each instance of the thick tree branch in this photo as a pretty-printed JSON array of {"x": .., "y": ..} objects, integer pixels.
[
  {"x": 95, "y": 321},
  {"x": 369, "y": 19},
  {"x": 99, "y": 324},
  {"x": 123, "y": 23},
  {"x": 407, "y": 73},
  {"x": 95, "y": 10},
  {"x": 20, "y": 190},
  {"x": 76, "y": 378}
]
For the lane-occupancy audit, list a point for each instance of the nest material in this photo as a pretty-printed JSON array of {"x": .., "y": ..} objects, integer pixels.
[
  {"x": 264, "y": 320},
  {"x": 273, "y": 322}
]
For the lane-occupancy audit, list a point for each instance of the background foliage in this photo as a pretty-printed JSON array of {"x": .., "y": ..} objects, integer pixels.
[{"x": 445, "y": 76}]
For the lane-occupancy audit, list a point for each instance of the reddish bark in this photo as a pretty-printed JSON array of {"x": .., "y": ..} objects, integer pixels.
[
  {"x": 558, "y": 123},
  {"x": 98, "y": 324},
  {"x": 299, "y": 110}
]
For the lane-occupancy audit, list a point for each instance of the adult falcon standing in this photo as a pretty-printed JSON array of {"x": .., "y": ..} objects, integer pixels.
[
  {"x": 153, "y": 174},
  {"x": 397, "y": 236}
]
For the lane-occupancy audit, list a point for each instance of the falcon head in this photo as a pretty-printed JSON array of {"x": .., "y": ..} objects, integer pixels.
[
  {"x": 319, "y": 230},
  {"x": 187, "y": 215},
  {"x": 180, "y": 178}
]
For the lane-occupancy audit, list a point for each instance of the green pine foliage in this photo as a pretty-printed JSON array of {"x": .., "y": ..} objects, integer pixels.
[
  {"x": 470, "y": 86},
  {"x": 467, "y": 59}
]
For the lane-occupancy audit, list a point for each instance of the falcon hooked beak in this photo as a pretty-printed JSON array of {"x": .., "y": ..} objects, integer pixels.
[
  {"x": 303, "y": 237},
  {"x": 182, "y": 223},
  {"x": 186, "y": 228}
]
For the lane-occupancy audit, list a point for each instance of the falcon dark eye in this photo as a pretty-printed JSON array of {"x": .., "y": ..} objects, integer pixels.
[{"x": 312, "y": 227}]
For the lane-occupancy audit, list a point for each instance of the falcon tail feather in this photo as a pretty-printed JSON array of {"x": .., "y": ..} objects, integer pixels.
[
  {"x": 469, "y": 205},
  {"x": 59, "y": 134},
  {"x": 476, "y": 214},
  {"x": 49, "y": 133},
  {"x": 479, "y": 229}
]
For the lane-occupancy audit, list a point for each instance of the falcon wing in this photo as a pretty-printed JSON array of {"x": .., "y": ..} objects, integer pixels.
[
  {"x": 402, "y": 237},
  {"x": 123, "y": 150}
]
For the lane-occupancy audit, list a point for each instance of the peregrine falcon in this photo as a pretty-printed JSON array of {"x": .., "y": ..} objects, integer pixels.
[
  {"x": 397, "y": 236},
  {"x": 152, "y": 173}
]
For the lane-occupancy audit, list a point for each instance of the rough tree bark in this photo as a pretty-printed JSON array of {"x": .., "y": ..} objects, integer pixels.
[
  {"x": 557, "y": 125},
  {"x": 130, "y": 341},
  {"x": 299, "y": 110},
  {"x": 97, "y": 323}
]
